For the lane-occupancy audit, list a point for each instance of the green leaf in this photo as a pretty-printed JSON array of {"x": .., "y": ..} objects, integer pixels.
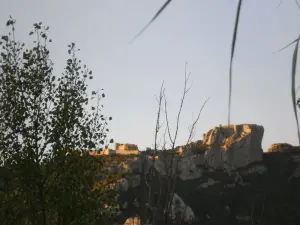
[{"x": 294, "y": 69}]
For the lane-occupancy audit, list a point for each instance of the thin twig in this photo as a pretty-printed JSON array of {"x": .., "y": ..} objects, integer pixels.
[
  {"x": 189, "y": 139},
  {"x": 157, "y": 129},
  {"x": 192, "y": 129}
]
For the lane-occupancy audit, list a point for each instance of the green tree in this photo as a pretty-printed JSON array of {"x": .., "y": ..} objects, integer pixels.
[{"x": 46, "y": 126}]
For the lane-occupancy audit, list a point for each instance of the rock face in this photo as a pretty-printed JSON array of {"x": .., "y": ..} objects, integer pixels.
[
  {"x": 265, "y": 192},
  {"x": 281, "y": 147},
  {"x": 232, "y": 183},
  {"x": 181, "y": 210},
  {"x": 233, "y": 146},
  {"x": 133, "y": 221}
]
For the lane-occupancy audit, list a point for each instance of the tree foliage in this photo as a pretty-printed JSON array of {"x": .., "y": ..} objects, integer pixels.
[{"x": 46, "y": 124}]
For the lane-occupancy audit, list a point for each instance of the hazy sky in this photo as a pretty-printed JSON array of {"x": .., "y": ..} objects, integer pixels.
[{"x": 197, "y": 31}]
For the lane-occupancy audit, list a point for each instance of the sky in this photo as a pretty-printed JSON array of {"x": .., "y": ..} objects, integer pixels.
[{"x": 193, "y": 31}]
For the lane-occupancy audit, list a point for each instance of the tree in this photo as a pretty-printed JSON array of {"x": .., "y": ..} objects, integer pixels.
[{"x": 46, "y": 125}]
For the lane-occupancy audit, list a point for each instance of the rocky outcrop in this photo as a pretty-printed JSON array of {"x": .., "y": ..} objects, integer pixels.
[
  {"x": 133, "y": 221},
  {"x": 265, "y": 192},
  {"x": 187, "y": 167},
  {"x": 181, "y": 211},
  {"x": 281, "y": 147},
  {"x": 232, "y": 183},
  {"x": 233, "y": 146}
]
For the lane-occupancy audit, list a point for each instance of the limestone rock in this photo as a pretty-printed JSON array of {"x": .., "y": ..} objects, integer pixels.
[
  {"x": 254, "y": 169},
  {"x": 280, "y": 147},
  {"x": 165, "y": 164},
  {"x": 213, "y": 157},
  {"x": 233, "y": 146},
  {"x": 188, "y": 169},
  {"x": 181, "y": 210},
  {"x": 133, "y": 221},
  {"x": 209, "y": 183}
]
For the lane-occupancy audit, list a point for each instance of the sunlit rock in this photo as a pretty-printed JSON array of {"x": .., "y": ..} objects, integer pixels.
[
  {"x": 233, "y": 146},
  {"x": 280, "y": 147}
]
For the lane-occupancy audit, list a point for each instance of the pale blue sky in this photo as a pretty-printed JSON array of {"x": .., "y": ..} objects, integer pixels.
[{"x": 197, "y": 31}]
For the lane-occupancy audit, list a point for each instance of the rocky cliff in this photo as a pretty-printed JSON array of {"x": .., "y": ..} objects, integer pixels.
[{"x": 233, "y": 182}]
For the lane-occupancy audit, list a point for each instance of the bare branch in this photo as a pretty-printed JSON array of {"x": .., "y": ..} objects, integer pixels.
[
  {"x": 193, "y": 127},
  {"x": 149, "y": 182},
  {"x": 167, "y": 120},
  {"x": 158, "y": 126},
  {"x": 186, "y": 89}
]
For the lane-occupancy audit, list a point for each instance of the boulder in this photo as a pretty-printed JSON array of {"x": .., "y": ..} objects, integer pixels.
[
  {"x": 179, "y": 210},
  {"x": 233, "y": 146},
  {"x": 133, "y": 221},
  {"x": 280, "y": 147}
]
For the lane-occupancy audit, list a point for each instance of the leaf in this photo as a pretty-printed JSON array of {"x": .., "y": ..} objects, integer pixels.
[
  {"x": 31, "y": 33},
  {"x": 152, "y": 20},
  {"x": 286, "y": 46},
  {"x": 297, "y": 4},
  {"x": 279, "y": 3},
  {"x": 5, "y": 38},
  {"x": 103, "y": 95},
  {"x": 232, "y": 54},
  {"x": 110, "y": 118},
  {"x": 111, "y": 141},
  {"x": 294, "y": 69}
]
